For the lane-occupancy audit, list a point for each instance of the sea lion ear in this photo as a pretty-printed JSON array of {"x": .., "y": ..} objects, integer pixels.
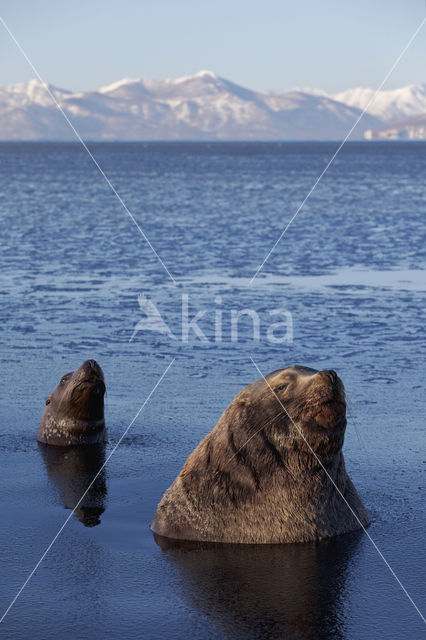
[{"x": 48, "y": 400}]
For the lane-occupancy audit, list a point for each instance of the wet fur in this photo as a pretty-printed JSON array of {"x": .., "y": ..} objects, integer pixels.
[{"x": 254, "y": 479}]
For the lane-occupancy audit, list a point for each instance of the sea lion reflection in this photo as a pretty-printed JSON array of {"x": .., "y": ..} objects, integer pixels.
[
  {"x": 267, "y": 591},
  {"x": 71, "y": 470}
]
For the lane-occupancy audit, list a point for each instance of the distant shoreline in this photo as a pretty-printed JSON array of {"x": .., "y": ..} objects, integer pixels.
[{"x": 363, "y": 141}]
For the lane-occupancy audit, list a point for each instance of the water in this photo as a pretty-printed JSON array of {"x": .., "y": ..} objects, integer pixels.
[{"x": 350, "y": 271}]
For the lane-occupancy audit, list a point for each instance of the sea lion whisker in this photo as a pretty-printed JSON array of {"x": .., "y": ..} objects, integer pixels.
[
  {"x": 76, "y": 387},
  {"x": 259, "y": 400},
  {"x": 85, "y": 381},
  {"x": 357, "y": 431},
  {"x": 272, "y": 419},
  {"x": 269, "y": 422},
  {"x": 253, "y": 435}
]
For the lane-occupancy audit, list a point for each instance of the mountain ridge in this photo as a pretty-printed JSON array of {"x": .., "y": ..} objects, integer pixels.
[{"x": 203, "y": 106}]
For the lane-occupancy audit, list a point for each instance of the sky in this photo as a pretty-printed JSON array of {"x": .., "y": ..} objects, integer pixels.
[{"x": 267, "y": 45}]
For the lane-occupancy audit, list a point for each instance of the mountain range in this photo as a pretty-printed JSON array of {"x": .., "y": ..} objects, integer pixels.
[{"x": 207, "y": 107}]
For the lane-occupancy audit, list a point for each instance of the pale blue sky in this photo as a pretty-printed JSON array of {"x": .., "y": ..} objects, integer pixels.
[{"x": 262, "y": 44}]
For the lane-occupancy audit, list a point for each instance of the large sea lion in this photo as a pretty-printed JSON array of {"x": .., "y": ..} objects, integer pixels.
[
  {"x": 268, "y": 471},
  {"x": 74, "y": 412}
]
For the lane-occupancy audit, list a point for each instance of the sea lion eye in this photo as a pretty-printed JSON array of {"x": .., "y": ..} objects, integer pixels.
[
  {"x": 281, "y": 387},
  {"x": 63, "y": 380}
]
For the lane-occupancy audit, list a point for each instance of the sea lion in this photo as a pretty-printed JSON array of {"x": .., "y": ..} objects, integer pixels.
[
  {"x": 263, "y": 475},
  {"x": 74, "y": 412}
]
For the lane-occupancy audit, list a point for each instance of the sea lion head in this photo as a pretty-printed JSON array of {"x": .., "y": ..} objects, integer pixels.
[
  {"x": 74, "y": 412},
  {"x": 301, "y": 408}
]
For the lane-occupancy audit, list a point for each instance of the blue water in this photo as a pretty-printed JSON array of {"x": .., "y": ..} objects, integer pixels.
[{"x": 351, "y": 272}]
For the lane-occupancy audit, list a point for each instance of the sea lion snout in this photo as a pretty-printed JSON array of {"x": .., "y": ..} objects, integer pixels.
[
  {"x": 92, "y": 368},
  {"x": 328, "y": 400},
  {"x": 329, "y": 385},
  {"x": 88, "y": 379},
  {"x": 330, "y": 379}
]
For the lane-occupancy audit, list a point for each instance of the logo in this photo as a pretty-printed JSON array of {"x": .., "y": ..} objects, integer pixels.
[{"x": 217, "y": 324}]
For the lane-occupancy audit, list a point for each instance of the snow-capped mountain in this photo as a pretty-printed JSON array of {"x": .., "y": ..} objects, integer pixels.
[
  {"x": 389, "y": 106},
  {"x": 198, "y": 107}
]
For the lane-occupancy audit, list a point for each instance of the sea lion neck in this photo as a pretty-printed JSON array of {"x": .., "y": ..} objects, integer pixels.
[{"x": 309, "y": 466}]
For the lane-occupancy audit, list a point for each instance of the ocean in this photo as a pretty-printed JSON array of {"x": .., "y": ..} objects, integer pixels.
[{"x": 346, "y": 284}]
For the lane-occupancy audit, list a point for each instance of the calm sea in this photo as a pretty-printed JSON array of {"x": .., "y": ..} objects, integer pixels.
[{"x": 347, "y": 281}]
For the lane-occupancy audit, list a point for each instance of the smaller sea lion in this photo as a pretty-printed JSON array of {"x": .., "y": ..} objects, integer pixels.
[
  {"x": 272, "y": 469},
  {"x": 74, "y": 412}
]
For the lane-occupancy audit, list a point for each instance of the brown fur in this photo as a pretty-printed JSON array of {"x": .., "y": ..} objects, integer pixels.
[
  {"x": 74, "y": 412},
  {"x": 254, "y": 479}
]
